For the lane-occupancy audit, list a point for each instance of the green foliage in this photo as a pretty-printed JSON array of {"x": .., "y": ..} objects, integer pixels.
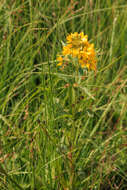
[{"x": 59, "y": 131}]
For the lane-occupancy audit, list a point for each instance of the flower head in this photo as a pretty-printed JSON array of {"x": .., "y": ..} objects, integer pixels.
[{"x": 77, "y": 46}]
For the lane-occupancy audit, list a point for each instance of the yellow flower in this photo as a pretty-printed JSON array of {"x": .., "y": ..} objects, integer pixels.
[
  {"x": 60, "y": 59},
  {"x": 84, "y": 38},
  {"x": 75, "y": 52},
  {"x": 77, "y": 40},
  {"x": 87, "y": 57},
  {"x": 71, "y": 37},
  {"x": 77, "y": 46},
  {"x": 67, "y": 49},
  {"x": 59, "y": 64}
]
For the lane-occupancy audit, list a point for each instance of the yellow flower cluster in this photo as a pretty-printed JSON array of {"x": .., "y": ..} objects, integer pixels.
[{"x": 77, "y": 46}]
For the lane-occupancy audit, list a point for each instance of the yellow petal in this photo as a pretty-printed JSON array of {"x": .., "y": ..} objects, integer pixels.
[{"x": 59, "y": 64}]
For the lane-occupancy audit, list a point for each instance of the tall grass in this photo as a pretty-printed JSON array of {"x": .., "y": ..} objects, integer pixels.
[{"x": 53, "y": 135}]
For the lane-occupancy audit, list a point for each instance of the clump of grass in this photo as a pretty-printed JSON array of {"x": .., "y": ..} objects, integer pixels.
[{"x": 62, "y": 130}]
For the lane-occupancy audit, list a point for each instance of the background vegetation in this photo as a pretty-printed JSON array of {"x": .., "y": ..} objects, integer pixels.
[{"x": 55, "y": 134}]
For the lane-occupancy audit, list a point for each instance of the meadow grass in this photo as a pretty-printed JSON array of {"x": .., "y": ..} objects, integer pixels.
[{"x": 55, "y": 135}]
